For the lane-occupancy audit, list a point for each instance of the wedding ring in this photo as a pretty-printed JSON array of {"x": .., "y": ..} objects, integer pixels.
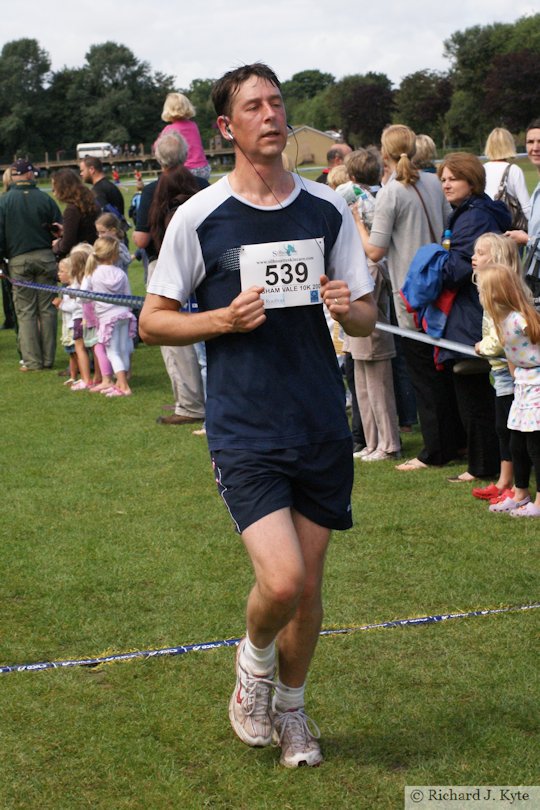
[{"x": 336, "y": 301}]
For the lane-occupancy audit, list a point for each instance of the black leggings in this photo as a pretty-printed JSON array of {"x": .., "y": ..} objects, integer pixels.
[
  {"x": 502, "y": 409},
  {"x": 525, "y": 449}
]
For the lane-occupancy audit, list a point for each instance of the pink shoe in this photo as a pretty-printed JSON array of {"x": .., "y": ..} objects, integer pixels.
[
  {"x": 80, "y": 386},
  {"x": 117, "y": 392},
  {"x": 530, "y": 510},
  {"x": 508, "y": 505}
]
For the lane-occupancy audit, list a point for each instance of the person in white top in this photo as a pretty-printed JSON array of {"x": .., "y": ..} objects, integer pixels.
[{"x": 500, "y": 149}]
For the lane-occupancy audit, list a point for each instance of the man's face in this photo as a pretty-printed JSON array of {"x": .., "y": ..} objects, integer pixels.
[
  {"x": 85, "y": 172},
  {"x": 532, "y": 142},
  {"x": 258, "y": 121}
]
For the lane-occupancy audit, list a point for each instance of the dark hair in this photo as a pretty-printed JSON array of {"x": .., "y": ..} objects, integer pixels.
[
  {"x": 465, "y": 166},
  {"x": 69, "y": 188},
  {"x": 93, "y": 163},
  {"x": 174, "y": 187},
  {"x": 226, "y": 88},
  {"x": 535, "y": 124}
]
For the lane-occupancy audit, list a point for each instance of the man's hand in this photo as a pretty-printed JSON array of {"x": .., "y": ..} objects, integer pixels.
[
  {"x": 246, "y": 312},
  {"x": 337, "y": 297},
  {"x": 357, "y": 317}
]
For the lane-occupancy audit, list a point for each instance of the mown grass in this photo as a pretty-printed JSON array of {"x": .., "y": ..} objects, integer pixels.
[{"x": 113, "y": 539}]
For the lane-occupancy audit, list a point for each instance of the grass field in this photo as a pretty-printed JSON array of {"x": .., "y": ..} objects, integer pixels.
[{"x": 114, "y": 539}]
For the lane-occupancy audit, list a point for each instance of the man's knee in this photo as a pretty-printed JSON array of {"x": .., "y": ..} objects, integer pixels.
[{"x": 284, "y": 590}]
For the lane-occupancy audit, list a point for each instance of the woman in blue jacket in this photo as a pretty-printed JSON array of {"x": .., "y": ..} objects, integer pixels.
[{"x": 473, "y": 214}]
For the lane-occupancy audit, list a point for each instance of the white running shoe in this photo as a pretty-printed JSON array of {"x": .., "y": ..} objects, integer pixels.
[
  {"x": 250, "y": 707},
  {"x": 298, "y": 737}
]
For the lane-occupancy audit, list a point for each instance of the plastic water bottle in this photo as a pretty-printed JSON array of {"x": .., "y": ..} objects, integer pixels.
[{"x": 446, "y": 240}]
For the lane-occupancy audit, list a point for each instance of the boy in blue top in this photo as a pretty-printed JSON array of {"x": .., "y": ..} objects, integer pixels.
[{"x": 263, "y": 250}]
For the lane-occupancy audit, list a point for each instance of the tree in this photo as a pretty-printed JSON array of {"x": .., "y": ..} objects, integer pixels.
[
  {"x": 24, "y": 72},
  {"x": 512, "y": 90},
  {"x": 306, "y": 85},
  {"x": 114, "y": 97},
  {"x": 199, "y": 93},
  {"x": 365, "y": 105},
  {"x": 473, "y": 53},
  {"x": 422, "y": 101}
]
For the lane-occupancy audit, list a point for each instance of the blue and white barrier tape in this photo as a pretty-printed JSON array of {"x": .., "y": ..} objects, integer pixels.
[
  {"x": 232, "y": 642},
  {"x": 138, "y": 300},
  {"x": 88, "y": 295}
]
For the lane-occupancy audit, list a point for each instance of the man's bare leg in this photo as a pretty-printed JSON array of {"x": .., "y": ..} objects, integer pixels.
[{"x": 287, "y": 552}]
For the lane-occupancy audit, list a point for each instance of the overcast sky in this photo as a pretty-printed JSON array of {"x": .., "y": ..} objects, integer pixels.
[{"x": 192, "y": 40}]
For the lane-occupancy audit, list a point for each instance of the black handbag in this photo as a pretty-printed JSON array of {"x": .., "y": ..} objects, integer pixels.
[{"x": 519, "y": 220}]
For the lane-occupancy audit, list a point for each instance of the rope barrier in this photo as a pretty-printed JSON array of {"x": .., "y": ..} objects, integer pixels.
[
  {"x": 233, "y": 642},
  {"x": 137, "y": 301},
  {"x": 134, "y": 301}
]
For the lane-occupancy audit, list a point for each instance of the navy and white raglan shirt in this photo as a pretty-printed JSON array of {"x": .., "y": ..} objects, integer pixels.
[{"x": 278, "y": 386}]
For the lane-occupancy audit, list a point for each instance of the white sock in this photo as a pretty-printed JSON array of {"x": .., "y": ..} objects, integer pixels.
[
  {"x": 257, "y": 661},
  {"x": 287, "y": 698}
]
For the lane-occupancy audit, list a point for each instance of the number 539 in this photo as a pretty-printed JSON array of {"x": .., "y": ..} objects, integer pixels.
[{"x": 286, "y": 273}]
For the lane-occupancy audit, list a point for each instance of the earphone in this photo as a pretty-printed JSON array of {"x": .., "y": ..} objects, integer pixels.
[{"x": 230, "y": 136}]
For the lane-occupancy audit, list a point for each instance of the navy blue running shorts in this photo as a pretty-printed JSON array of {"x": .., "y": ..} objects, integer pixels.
[{"x": 315, "y": 479}]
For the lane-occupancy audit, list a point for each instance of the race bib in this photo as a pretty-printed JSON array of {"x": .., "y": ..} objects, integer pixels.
[{"x": 290, "y": 272}]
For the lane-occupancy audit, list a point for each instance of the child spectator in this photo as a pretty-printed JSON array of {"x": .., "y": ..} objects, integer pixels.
[
  {"x": 508, "y": 301},
  {"x": 77, "y": 261},
  {"x": 109, "y": 225},
  {"x": 492, "y": 248},
  {"x": 66, "y": 304},
  {"x": 337, "y": 176},
  {"x": 178, "y": 113},
  {"x": 117, "y": 324}
]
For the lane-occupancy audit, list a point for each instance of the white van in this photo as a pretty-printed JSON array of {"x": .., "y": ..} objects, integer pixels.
[{"x": 99, "y": 150}]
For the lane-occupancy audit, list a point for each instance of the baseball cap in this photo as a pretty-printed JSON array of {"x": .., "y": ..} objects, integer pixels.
[{"x": 21, "y": 166}]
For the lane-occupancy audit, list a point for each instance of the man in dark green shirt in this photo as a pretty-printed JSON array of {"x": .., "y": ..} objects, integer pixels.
[{"x": 27, "y": 215}]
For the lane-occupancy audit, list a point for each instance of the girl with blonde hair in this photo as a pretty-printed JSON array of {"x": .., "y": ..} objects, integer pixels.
[
  {"x": 77, "y": 263},
  {"x": 178, "y": 113},
  {"x": 488, "y": 249},
  {"x": 506, "y": 298},
  {"x": 116, "y": 322}
]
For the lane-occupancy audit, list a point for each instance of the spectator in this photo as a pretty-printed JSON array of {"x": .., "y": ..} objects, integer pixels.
[
  {"x": 500, "y": 148},
  {"x": 410, "y": 211},
  {"x": 530, "y": 239},
  {"x": 108, "y": 195},
  {"x": 80, "y": 213},
  {"x": 425, "y": 154},
  {"x": 27, "y": 217},
  {"x": 334, "y": 157},
  {"x": 473, "y": 214},
  {"x": 180, "y": 361},
  {"x": 178, "y": 113},
  {"x": 10, "y": 319}
]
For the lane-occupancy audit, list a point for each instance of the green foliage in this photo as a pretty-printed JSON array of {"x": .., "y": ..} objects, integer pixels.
[
  {"x": 305, "y": 85},
  {"x": 24, "y": 71},
  {"x": 422, "y": 101},
  {"x": 365, "y": 104},
  {"x": 492, "y": 78},
  {"x": 199, "y": 93}
]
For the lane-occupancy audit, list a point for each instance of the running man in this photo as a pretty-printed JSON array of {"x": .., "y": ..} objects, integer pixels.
[{"x": 262, "y": 248}]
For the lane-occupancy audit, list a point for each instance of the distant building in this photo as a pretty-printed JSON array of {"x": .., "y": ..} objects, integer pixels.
[{"x": 306, "y": 145}]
